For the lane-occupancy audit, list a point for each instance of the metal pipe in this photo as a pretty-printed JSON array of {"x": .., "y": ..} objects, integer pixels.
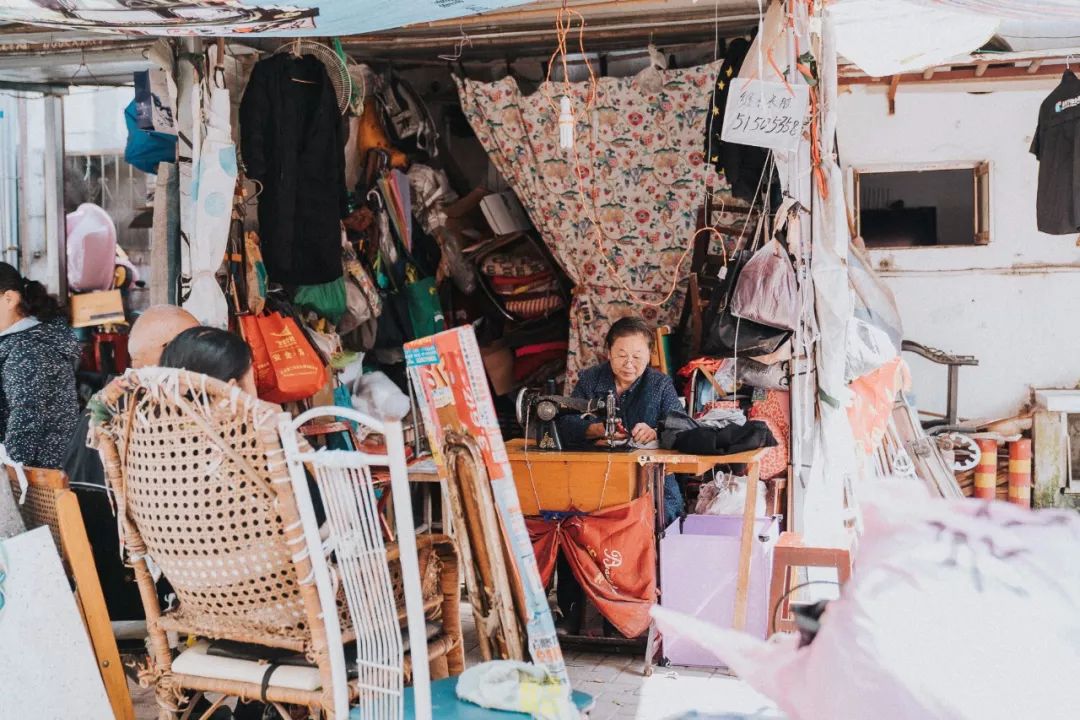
[
  {"x": 659, "y": 23},
  {"x": 55, "y": 226}
]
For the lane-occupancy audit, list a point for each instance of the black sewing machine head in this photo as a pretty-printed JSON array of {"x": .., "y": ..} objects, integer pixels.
[{"x": 537, "y": 411}]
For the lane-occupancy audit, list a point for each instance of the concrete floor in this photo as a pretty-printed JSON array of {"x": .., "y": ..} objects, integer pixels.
[{"x": 621, "y": 690}]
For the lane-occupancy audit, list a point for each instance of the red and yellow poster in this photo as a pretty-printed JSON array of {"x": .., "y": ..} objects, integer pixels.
[{"x": 447, "y": 373}]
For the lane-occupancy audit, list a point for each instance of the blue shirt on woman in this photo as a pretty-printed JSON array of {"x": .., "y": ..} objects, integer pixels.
[{"x": 648, "y": 400}]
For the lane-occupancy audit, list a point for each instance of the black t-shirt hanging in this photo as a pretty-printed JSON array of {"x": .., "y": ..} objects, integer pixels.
[{"x": 1057, "y": 146}]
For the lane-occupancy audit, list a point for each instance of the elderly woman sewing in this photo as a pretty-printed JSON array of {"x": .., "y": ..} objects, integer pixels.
[{"x": 643, "y": 397}]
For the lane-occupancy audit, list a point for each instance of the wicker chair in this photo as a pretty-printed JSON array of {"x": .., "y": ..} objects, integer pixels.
[{"x": 203, "y": 489}]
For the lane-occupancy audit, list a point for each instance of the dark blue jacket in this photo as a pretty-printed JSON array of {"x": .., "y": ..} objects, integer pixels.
[{"x": 648, "y": 400}]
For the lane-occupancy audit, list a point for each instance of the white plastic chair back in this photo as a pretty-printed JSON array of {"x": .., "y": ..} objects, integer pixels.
[{"x": 360, "y": 565}]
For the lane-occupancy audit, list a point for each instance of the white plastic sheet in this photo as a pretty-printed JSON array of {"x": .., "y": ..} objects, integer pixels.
[
  {"x": 887, "y": 38},
  {"x": 957, "y": 610},
  {"x": 1045, "y": 10},
  {"x": 213, "y": 180}
]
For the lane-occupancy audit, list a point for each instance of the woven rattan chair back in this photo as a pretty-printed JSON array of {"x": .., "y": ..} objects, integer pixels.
[{"x": 201, "y": 482}]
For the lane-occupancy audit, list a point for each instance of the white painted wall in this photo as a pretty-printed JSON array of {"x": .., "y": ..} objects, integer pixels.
[
  {"x": 1015, "y": 303},
  {"x": 94, "y": 119}
]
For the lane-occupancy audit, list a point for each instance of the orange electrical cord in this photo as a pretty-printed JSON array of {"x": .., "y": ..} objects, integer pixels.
[{"x": 564, "y": 20}]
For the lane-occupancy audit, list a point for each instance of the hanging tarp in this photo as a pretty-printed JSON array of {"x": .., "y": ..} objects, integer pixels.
[
  {"x": 287, "y": 18},
  {"x": 618, "y": 211},
  {"x": 1045, "y": 10},
  {"x": 210, "y": 194},
  {"x": 903, "y": 36}
]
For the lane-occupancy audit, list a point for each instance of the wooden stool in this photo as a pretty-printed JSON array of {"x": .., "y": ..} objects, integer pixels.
[{"x": 790, "y": 552}]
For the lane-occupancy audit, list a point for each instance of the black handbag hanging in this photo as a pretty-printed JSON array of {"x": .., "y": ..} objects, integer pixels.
[{"x": 726, "y": 335}]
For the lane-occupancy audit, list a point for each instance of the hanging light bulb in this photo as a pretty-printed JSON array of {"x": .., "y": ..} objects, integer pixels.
[{"x": 566, "y": 124}]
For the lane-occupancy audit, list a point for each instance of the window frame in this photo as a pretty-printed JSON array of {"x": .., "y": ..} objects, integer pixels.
[{"x": 981, "y": 174}]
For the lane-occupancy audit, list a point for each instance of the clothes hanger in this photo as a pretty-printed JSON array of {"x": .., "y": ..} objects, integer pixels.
[{"x": 296, "y": 54}]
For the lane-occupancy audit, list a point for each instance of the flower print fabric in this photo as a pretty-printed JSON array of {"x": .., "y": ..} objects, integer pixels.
[{"x": 643, "y": 177}]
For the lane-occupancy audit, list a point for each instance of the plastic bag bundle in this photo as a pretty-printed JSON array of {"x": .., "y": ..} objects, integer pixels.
[
  {"x": 957, "y": 610},
  {"x": 91, "y": 248},
  {"x": 726, "y": 495},
  {"x": 767, "y": 292}
]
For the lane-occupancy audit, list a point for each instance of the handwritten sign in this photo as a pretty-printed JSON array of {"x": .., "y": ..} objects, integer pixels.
[{"x": 765, "y": 114}]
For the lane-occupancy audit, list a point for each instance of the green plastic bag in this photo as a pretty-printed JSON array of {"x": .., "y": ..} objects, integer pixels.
[
  {"x": 425, "y": 312},
  {"x": 326, "y": 299}
]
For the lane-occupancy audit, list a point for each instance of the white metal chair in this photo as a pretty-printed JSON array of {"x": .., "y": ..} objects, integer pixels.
[{"x": 360, "y": 565}]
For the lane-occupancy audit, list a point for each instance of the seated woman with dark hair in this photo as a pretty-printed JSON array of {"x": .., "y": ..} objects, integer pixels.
[
  {"x": 39, "y": 408},
  {"x": 215, "y": 353},
  {"x": 644, "y": 396}
]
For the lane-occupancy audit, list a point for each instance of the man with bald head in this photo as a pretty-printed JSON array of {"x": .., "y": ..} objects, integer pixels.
[
  {"x": 149, "y": 335},
  {"x": 153, "y": 330}
]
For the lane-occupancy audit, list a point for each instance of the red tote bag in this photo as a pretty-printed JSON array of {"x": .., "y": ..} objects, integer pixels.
[{"x": 287, "y": 368}]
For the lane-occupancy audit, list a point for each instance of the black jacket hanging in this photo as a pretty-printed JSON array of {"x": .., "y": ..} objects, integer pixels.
[
  {"x": 293, "y": 142},
  {"x": 742, "y": 165}
]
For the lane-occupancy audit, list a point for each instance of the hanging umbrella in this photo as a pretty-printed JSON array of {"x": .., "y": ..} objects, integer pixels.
[
  {"x": 214, "y": 173},
  {"x": 403, "y": 196}
]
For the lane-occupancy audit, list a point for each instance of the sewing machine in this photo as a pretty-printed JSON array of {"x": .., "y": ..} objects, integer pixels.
[{"x": 537, "y": 411}]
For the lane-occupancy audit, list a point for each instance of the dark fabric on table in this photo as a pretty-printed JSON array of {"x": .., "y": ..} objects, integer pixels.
[
  {"x": 679, "y": 431},
  {"x": 727, "y": 440},
  {"x": 292, "y": 141}
]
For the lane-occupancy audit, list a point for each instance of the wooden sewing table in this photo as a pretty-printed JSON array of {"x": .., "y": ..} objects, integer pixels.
[{"x": 594, "y": 479}]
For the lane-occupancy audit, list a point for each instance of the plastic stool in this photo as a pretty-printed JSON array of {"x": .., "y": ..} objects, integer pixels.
[{"x": 790, "y": 552}]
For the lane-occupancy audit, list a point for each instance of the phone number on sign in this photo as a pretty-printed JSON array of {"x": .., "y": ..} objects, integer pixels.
[{"x": 768, "y": 125}]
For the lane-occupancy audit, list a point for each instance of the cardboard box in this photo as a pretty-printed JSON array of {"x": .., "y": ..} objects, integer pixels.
[{"x": 97, "y": 308}]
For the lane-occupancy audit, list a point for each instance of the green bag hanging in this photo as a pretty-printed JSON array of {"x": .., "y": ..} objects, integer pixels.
[
  {"x": 326, "y": 299},
  {"x": 425, "y": 312}
]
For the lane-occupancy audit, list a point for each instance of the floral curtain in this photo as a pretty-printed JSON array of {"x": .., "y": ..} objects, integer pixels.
[{"x": 643, "y": 176}]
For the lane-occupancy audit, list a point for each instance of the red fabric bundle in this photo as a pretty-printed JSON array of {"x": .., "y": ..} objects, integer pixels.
[
  {"x": 775, "y": 410},
  {"x": 612, "y": 554},
  {"x": 530, "y": 358},
  {"x": 509, "y": 285}
]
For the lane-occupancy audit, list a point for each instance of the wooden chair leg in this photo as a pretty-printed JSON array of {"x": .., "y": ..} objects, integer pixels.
[
  {"x": 439, "y": 669},
  {"x": 777, "y": 588},
  {"x": 91, "y": 602}
]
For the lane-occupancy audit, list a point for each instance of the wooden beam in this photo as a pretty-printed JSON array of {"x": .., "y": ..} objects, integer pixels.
[
  {"x": 961, "y": 74},
  {"x": 928, "y": 74},
  {"x": 980, "y": 69},
  {"x": 894, "y": 84},
  {"x": 1034, "y": 66}
]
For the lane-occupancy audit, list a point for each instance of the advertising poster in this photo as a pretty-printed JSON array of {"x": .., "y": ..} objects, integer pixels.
[{"x": 447, "y": 373}]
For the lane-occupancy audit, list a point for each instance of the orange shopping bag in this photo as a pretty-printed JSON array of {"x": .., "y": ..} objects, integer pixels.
[
  {"x": 260, "y": 358},
  {"x": 287, "y": 368}
]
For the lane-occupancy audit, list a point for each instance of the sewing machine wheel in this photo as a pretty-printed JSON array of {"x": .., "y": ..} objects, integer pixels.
[
  {"x": 965, "y": 451},
  {"x": 547, "y": 410},
  {"x": 521, "y": 408}
]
